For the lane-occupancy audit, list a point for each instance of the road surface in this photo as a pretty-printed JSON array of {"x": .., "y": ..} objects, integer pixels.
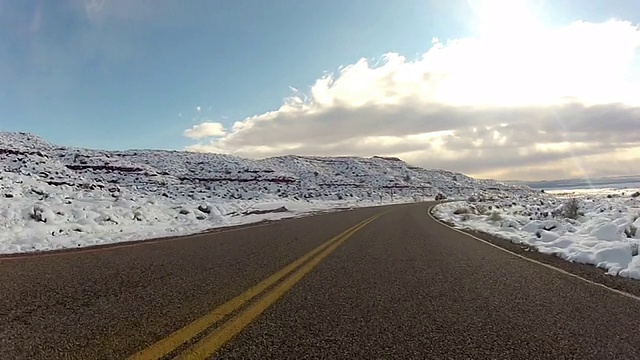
[{"x": 381, "y": 283}]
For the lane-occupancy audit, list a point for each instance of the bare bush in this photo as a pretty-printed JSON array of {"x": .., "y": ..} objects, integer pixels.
[{"x": 571, "y": 209}]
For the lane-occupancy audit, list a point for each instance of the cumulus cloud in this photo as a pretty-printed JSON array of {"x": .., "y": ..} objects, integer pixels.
[
  {"x": 531, "y": 103},
  {"x": 206, "y": 129}
]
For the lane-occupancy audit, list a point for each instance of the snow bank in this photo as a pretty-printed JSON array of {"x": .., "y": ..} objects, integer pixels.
[
  {"x": 602, "y": 231},
  {"x": 40, "y": 217}
]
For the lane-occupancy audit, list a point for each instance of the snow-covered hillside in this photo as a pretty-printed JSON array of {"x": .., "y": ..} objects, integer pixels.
[{"x": 57, "y": 197}]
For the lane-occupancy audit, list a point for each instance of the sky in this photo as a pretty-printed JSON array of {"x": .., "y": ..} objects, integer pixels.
[{"x": 504, "y": 89}]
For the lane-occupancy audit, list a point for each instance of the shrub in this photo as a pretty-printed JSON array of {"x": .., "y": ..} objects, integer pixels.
[
  {"x": 570, "y": 209},
  {"x": 461, "y": 211},
  {"x": 37, "y": 214},
  {"x": 440, "y": 196},
  {"x": 205, "y": 208},
  {"x": 481, "y": 209},
  {"x": 495, "y": 216}
]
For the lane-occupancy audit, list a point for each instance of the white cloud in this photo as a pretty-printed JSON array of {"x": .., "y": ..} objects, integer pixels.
[
  {"x": 503, "y": 105},
  {"x": 206, "y": 129}
]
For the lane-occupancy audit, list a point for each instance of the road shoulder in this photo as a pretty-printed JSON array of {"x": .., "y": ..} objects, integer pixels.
[{"x": 588, "y": 272}]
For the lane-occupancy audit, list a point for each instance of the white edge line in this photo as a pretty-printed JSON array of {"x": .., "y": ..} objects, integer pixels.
[{"x": 619, "y": 292}]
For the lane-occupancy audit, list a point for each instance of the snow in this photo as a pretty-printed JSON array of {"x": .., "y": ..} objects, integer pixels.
[
  {"x": 54, "y": 197},
  {"x": 604, "y": 233}
]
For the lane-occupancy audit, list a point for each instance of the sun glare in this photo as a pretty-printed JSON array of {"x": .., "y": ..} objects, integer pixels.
[{"x": 500, "y": 19}]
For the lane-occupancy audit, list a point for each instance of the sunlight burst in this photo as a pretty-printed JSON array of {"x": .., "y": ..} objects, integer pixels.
[{"x": 504, "y": 19}]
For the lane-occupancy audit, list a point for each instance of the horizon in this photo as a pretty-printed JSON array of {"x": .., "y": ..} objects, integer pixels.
[{"x": 499, "y": 89}]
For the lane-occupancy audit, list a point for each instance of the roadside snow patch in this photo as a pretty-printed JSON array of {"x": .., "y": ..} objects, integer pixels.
[{"x": 605, "y": 234}]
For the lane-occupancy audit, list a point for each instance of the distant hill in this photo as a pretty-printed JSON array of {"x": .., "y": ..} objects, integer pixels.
[
  {"x": 179, "y": 174},
  {"x": 618, "y": 182}
]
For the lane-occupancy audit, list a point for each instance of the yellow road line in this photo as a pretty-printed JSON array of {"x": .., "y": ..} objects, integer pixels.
[
  {"x": 181, "y": 336},
  {"x": 214, "y": 341}
]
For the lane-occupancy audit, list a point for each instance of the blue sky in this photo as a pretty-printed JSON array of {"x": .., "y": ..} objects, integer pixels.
[
  {"x": 132, "y": 74},
  {"x": 137, "y": 72}
]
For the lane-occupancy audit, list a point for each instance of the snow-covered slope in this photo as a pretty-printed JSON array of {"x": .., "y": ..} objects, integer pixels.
[{"x": 56, "y": 197}]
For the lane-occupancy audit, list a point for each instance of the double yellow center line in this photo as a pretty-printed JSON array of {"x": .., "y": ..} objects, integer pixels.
[{"x": 225, "y": 331}]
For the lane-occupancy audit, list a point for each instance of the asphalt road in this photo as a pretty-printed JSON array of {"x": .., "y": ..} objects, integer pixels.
[{"x": 399, "y": 286}]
